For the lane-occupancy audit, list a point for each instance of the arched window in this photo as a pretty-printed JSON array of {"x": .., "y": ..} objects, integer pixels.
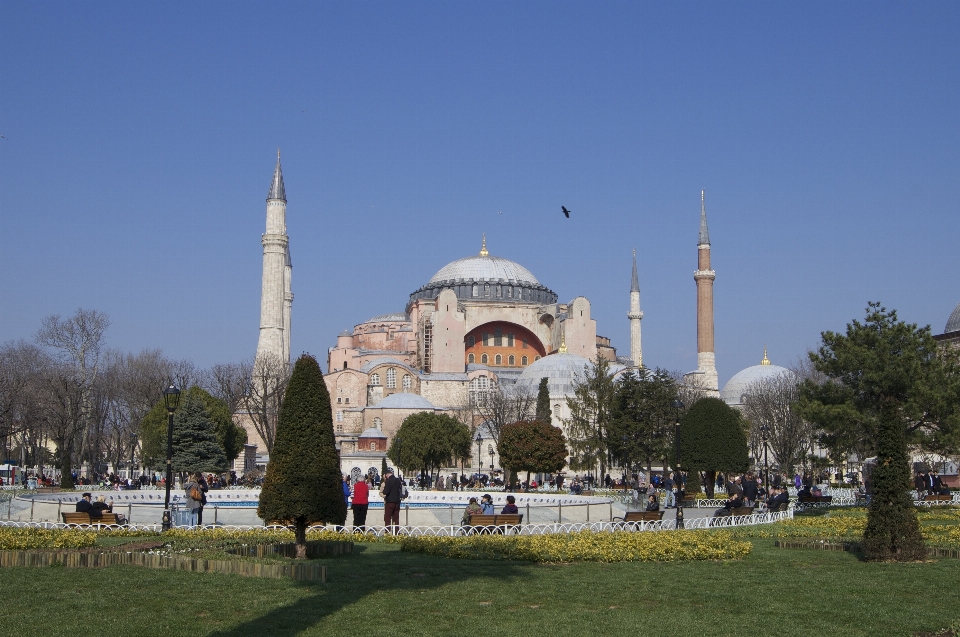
[
  {"x": 486, "y": 339},
  {"x": 498, "y": 338},
  {"x": 483, "y": 359},
  {"x": 537, "y": 357},
  {"x": 470, "y": 358},
  {"x": 486, "y": 291},
  {"x": 499, "y": 360},
  {"x": 524, "y": 341},
  {"x": 374, "y": 379},
  {"x": 523, "y": 361},
  {"x": 512, "y": 360},
  {"x": 471, "y": 341},
  {"x": 509, "y": 292},
  {"x": 407, "y": 383},
  {"x": 391, "y": 378},
  {"x": 378, "y": 423},
  {"x": 476, "y": 290},
  {"x": 344, "y": 364},
  {"x": 509, "y": 340}
]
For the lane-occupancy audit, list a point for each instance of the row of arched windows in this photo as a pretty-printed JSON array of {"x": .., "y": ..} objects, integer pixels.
[
  {"x": 406, "y": 382},
  {"x": 496, "y": 339},
  {"x": 498, "y": 359}
]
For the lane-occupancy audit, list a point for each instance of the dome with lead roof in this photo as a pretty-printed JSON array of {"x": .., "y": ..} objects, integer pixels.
[
  {"x": 953, "y": 323},
  {"x": 735, "y": 389},
  {"x": 561, "y": 371},
  {"x": 484, "y": 277}
]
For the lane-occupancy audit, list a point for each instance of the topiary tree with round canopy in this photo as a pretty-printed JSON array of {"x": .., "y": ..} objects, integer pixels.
[
  {"x": 532, "y": 446},
  {"x": 303, "y": 481},
  {"x": 712, "y": 439}
]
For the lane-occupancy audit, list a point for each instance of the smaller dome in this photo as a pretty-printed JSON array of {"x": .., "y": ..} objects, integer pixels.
[
  {"x": 405, "y": 401},
  {"x": 953, "y": 323},
  {"x": 561, "y": 370},
  {"x": 345, "y": 333},
  {"x": 373, "y": 432},
  {"x": 732, "y": 393}
]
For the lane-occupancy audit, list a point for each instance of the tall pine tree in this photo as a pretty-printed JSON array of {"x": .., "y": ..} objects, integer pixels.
[
  {"x": 303, "y": 481},
  {"x": 543, "y": 413},
  {"x": 196, "y": 446}
]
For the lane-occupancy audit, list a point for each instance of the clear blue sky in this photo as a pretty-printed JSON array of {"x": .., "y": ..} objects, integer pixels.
[{"x": 141, "y": 138}]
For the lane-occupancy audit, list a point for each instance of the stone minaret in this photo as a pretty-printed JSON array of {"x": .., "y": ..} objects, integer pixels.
[
  {"x": 635, "y": 315},
  {"x": 276, "y": 299},
  {"x": 704, "y": 276}
]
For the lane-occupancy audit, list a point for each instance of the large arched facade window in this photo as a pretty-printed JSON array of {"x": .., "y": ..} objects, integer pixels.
[
  {"x": 374, "y": 379},
  {"x": 391, "y": 378},
  {"x": 485, "y": 342},
  {"x": 481, "y": 388},
  {"x": 378, "y": 423}
]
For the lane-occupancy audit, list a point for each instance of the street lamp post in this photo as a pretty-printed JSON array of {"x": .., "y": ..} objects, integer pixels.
[
  {"x": 490, "y": 450},
  {"x": 171, "y": 398},
  {"x": 678, "y": 482},
  {"x": 479, "y": 441},
  {"x": 765, "y": 435}
]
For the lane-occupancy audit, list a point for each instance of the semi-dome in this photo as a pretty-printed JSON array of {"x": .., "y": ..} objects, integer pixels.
[
  {"x": 484, "y": 277},
  {"x": 560, "y": 369},
  {"x": 953, "y": 323},
  {"x": 405, "y": 401},
  {"x": 733, "y": 392}
]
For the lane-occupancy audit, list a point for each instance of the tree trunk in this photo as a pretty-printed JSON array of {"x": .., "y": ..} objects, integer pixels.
[
  {"x": 66, "y": 480},
  {"x": 300, "y": 532},
  {"x": 711, "y": 483}
]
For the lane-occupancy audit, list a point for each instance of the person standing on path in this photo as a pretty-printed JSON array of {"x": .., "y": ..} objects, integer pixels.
[
  {"x": 392, "y": 491},
  {"x": 361, "y": 502}
]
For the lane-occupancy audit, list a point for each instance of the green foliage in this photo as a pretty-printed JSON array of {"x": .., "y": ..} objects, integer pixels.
[
  {"x": 532, "y": 446},
  {"x": 427, "y": 441},
  {"x": 712, "y": 439},
  {"x": 881, "y": 359},
  {"x": 153, "y": 428},
  {"x": 641, "y": 418},
  {"x": 195, "y": 443},
  {"x": 543, "y": 413},
  {"x": 590, "y": 416},
  {"x": 893, "y": 530},
  {"x": 303, "y": 481}
]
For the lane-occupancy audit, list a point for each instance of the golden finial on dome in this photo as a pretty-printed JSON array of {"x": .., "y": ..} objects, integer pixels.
[
  {"x": 563, "y": 341},
  {"x": 483, "y": 248},
  {"x": 765, "y": 361}
]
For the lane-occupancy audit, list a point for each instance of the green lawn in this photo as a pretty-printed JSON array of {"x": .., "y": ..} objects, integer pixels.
[{"x": 382, "y": 591}]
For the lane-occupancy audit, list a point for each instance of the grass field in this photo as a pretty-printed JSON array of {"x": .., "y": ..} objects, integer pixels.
[{"x": 382, "y": 591}]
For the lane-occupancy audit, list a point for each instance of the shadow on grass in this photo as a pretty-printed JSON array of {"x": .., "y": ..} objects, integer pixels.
[{"x": 371, "y": 569}]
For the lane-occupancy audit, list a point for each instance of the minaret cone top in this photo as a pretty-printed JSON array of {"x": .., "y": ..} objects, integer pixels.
[
  {"x": 277, "y": 190},
  {"x": 635, "y": 282},
  {"x": 704, "y": 233}
]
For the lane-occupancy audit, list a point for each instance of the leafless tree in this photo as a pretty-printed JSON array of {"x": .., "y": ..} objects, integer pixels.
[
  {"x": 78, "y": 345},
  {"x": 20, "y": 362},
  {"x": 269, "y": 379},
  {"x": 769, "y": 402},
  {"x": 501, "y": 405},
  {"x": 690, "y": 388},
  {"x": 230, "y": 382}
]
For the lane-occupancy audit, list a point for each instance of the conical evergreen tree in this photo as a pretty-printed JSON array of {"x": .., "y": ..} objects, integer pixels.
[
  {"x": 303, "y": 481},
  {"x": 893, "y": 531},
  {"x": 196, "y": 446},
  {"x": 543, "y": 402}
]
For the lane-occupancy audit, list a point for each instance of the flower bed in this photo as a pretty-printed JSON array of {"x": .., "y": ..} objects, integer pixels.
[
  {"x": 586, "y": 546},
  {"x": 14, "y": 539}
]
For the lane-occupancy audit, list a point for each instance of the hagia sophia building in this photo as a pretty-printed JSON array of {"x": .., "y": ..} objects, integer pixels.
[{"x": 479, "y": 322}]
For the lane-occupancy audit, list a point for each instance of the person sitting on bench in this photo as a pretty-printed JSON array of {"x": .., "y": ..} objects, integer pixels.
[
  {"x": 804, "y": 492},
  {"x": 652, "y": 504},
  {"x": 97, "y": 508},
  {"x": 943, "y": 490},
  {"x": 511, "y": 506},
  {"x": 83, "y": 504},
  {"x": 472, "y": 509},
  {"x": 735, "y": 502},
  {"x": 779, "y": 501}
]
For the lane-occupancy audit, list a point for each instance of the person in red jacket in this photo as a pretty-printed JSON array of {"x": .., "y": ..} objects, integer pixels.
[{"x": 360, "y": 503}]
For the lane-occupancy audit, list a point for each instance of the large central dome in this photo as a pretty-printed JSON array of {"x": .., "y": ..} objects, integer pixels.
[
  {"x": 484, "y": 277},
  {"x": 484, "y": 268}
]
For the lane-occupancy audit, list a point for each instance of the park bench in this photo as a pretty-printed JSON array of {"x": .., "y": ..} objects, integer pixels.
[
  {"x": 84, "y": 518},
  {"x": 811, "y": 499},
  {"x": 640, "y": 516},
  {"x": 742, "y": 511},
  {"x": 938, "y": 498},
  {"x": 495, "y": 523}
]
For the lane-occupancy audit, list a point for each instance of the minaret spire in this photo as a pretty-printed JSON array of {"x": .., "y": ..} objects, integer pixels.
[
  {"x": 277, "y": 191},
  {"x": 276, "y": 297},
  {"x": 704, "y": 277},
  {"x": 635, "y": 316},
  {"x": 704, "y": 231}
]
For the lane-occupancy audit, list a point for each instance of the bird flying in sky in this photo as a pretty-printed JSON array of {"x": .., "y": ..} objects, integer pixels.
[{"x": 566, "y": 212}]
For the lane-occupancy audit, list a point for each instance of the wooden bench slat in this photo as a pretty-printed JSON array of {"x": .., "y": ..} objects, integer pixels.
[
  {"x": 642, "y": 516},
  {"x": 498, "y": 519},
  {"x": 84, "y": 518}
]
